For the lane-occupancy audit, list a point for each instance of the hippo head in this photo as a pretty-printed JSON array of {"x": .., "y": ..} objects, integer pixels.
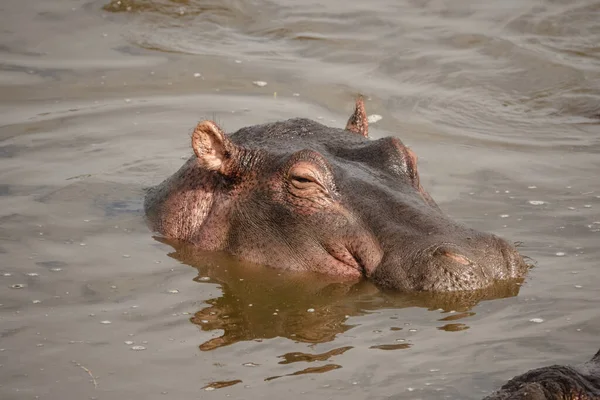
[{"x": 301, "y": 196}]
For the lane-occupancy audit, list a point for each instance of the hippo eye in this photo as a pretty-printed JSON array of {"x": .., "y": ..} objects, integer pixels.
[
  {"x": 304, "y": 177},
  {"x": 303, "y": 181}
]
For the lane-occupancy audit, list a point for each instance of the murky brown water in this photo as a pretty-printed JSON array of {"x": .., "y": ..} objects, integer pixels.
[{"x": 499, "y": 99}]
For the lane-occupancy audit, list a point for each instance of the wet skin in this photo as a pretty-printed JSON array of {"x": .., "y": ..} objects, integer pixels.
[
  {"x": 301, "y": 196},
  {"x": 556, "y": 382}
]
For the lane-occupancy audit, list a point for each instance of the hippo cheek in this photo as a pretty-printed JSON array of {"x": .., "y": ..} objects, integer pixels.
[
  {"x": 359, "y": 253},
  {"x": 337, "y": 245},
  {"x": 337, "y": 262}
]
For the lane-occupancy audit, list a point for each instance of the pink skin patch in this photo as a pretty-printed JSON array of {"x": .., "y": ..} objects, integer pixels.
[{"x": 458, "y": 258}]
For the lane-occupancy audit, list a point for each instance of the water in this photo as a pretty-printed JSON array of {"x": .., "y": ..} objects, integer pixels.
[{"x": 500, "y": 100}]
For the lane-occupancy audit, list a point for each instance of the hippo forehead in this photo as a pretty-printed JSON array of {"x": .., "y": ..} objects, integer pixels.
[
  {"x": 295, "y": 135},
  {"x": 337, "y": 145}
]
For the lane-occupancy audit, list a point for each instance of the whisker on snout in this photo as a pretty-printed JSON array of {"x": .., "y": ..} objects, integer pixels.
[{"x": 529, "y": 262}]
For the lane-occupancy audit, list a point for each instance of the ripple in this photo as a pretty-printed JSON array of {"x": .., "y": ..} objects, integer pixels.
[
  {"x": 455, "y": 317},
  {"x": 453, "y": 327},
  {"x": 304, "y": 357},
  {"x": 311, "y": 370},
  {"x": 221, "y": 384},
  {"x": 395, "y": 346}
]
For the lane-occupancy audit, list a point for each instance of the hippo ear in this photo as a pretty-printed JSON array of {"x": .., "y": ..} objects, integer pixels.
[
  {"x": 358, "y": 122},
  {"x": 213, "y": 149}
]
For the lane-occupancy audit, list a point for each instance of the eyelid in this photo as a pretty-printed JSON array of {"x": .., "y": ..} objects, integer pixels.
[
  {"x": 303, "y": 172},
  {"x": 304, "y": 178},
  {"x": 303, "y": 175}
]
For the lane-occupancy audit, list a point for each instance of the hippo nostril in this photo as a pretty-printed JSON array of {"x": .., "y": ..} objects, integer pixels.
[
  {"x": 458, "y": 258},
  {"x": 453, "y": 255}
]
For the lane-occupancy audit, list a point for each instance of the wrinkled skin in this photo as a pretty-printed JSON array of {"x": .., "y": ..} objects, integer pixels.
[
  {"x": 556, "y": 382},
  {"x": 302, "y": 196}
]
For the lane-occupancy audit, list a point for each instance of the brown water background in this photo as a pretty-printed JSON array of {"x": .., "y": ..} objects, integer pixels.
[{"x": 500, "y": 100}]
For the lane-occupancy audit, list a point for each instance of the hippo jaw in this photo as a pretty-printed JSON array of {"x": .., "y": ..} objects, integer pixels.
[{"x": 300, "y": 196}]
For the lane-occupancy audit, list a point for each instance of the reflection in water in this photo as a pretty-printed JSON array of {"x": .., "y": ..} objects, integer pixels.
[
  {"x": 455, "y": 317},
  {"x": 453, "y": 327},
  {"x": 310, "y": 370},
  {"x": 174, "y": 8},
  {"x": 221, "y": 384},
  {"x": 397, "y": 346},
  {"x": 262, "y": 303},
  {"x": 297, "y": 356}
]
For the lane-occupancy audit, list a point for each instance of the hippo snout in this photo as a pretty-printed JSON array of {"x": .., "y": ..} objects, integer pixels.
[
  {"x": 498, "y": 259},
  {"x": 447, "y": 266},
  {"x": 515, "y": 264}
]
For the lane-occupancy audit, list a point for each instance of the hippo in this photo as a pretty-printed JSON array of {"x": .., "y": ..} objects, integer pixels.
[
  {"x": 556, "y": 382},
  {"x": 300, "y": 196}
]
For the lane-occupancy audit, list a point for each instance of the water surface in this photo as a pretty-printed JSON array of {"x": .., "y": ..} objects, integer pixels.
[{"x": 500, "y": 100}]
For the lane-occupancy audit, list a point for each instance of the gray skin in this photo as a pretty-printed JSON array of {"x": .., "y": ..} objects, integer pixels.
[
  {"x": 298, "y": 195},
  {"x": 556, "y": 382}
]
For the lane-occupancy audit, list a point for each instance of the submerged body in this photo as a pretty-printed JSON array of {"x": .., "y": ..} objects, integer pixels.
[
  {"x": 302, "y": 196},
  {"x": 556, "y": 382}
]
